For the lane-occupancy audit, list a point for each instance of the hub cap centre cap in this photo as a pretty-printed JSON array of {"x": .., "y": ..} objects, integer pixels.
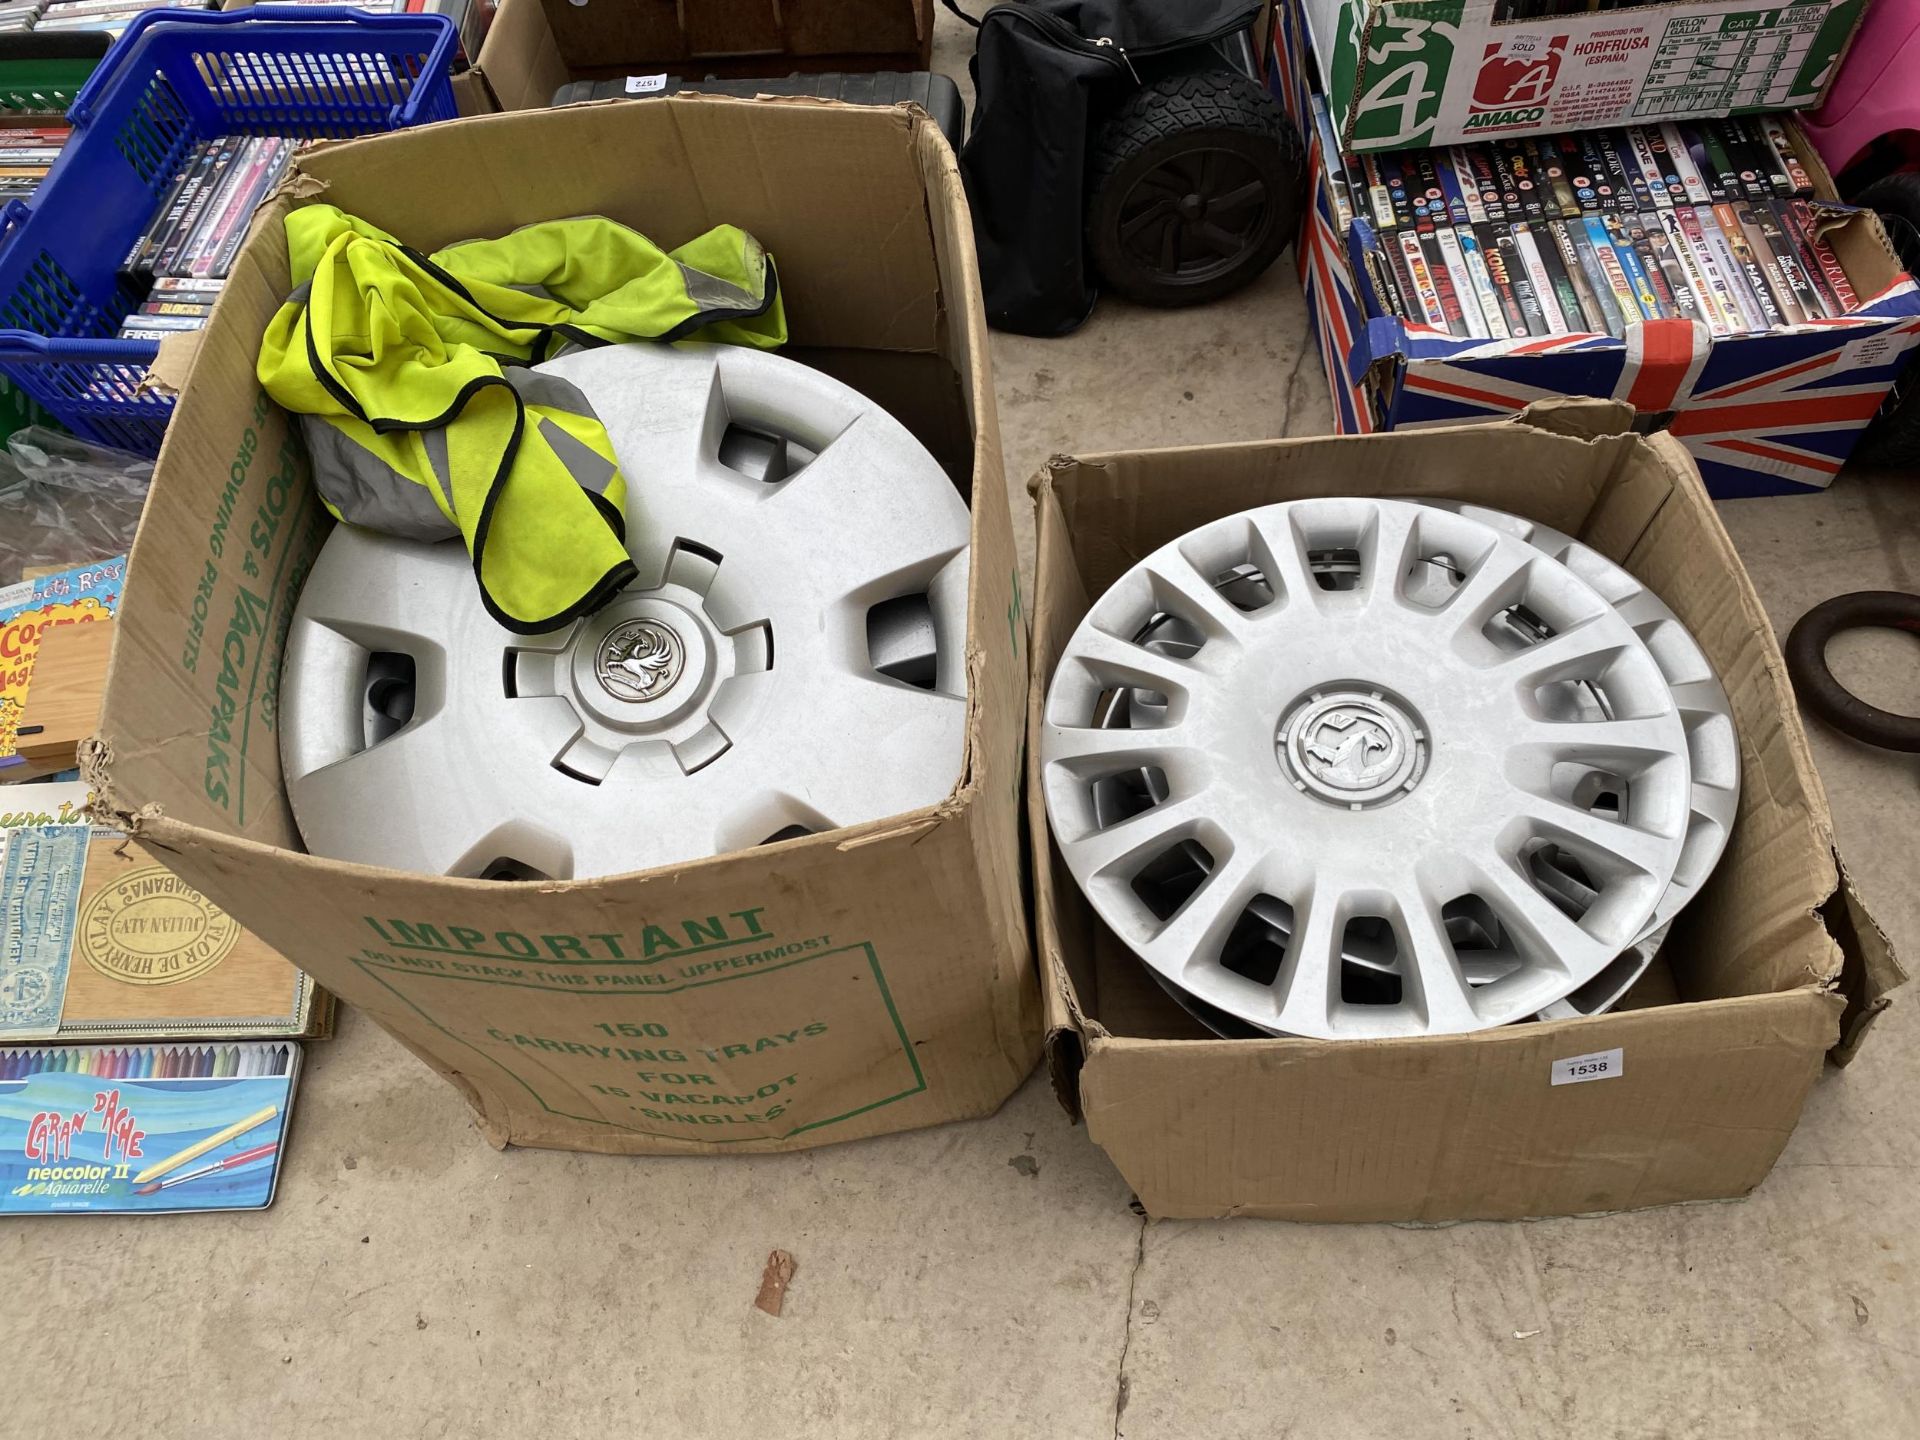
[
  {"x": 640, "y": 660},
  {"x": 1352, "y": 746}
]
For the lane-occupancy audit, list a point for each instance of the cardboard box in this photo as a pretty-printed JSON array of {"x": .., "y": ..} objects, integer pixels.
[
  {"x": 600, "y": 38},
  {"x": 518, "y": 67},
  {"x": 848, "y": 984},
  {"x": 1761, "y": 414},
  {"x": 1400, "y": 73},
  {"x": 1775, "y": 965}
]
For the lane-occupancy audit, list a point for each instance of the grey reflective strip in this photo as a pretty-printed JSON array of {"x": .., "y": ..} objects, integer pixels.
[
  {"x": 710, "y": 292},
  {"x": 538, "y": 388},
  {"x": 364, "y": 490},
  {"x": 434, "y": 442},
  {"x": 552, "y": 392},
  {"x": 590, "y": 470}
]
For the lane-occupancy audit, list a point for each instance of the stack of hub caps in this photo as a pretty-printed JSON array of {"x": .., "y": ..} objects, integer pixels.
[
  {"x": 792, "y": 658},
  {"x": 1354, "y": 768}
]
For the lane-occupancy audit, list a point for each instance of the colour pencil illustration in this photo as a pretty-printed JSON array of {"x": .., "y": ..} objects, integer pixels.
[
  {"x": 232, "y": 1162},
  {"x": 212, "y": 1142}
]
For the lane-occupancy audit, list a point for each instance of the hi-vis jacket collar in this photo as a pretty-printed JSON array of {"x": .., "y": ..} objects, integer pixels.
[{"x": 423, "y": 420}]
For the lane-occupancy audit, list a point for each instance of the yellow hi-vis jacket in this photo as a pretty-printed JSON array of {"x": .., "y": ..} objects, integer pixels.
[{"x": 422, "y": 420}]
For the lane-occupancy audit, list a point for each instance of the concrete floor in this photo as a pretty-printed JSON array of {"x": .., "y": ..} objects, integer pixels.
[{"x": 990, "y": 1278}]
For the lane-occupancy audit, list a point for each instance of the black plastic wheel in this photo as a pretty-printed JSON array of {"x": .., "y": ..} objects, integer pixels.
[
  {"x": 1197, "y": 187},
  {"x": 1892, "y": 441},
  {"x": 1814, "y": 681}
]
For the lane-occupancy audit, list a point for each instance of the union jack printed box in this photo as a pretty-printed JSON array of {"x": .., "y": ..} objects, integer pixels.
[{"x": 1769, "y": 414}]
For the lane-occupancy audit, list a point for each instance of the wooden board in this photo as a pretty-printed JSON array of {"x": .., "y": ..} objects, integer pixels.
[
  {"x": 63, "y": 699},
  {"x": 148, "y": 947}
]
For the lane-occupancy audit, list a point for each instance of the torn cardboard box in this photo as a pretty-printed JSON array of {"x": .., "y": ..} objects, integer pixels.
[
  {"x": 848, "y": 984},
  {"x": 518, "y": 67},
  {"x": 1773, "y": 966}
]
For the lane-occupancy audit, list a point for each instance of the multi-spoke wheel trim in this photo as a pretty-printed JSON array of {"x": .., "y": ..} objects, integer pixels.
[
  {"x": 1713, "y": 745},
  {"x": 1326, "y": 795},
  {"x": 791, "y": 659}
]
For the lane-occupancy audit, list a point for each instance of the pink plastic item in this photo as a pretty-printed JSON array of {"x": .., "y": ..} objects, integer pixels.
[{"x": 1875, "y": 93}]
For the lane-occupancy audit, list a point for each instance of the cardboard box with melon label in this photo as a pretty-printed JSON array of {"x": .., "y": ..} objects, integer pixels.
[{"x": 1402, "y": 73}]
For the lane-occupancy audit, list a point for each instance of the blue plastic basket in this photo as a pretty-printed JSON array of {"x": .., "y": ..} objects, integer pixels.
[{"x": 173, "y": 81}]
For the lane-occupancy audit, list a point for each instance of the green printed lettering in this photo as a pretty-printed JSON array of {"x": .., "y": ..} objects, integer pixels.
[
  {"x": 612, "y": 942},
  {"x": 712, "y": 928},
  {"x": 420, "y": 937},
  {"x": 751, "y": 918},
  {"x": 197, "y": 617},
  {"x": 230, "y": 492},
  {"x": 467, "y": 939},
  {"x": 248, "y": 612},
  {"x": 515, "y": 943},
  {"x": 564, "y": 947},
  {"x": 654, "y": 938}
]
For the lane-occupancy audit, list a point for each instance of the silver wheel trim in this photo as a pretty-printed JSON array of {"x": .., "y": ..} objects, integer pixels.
[
  {"x": 1609, "y": 986},
  {"x": 1488, "y": 785},
  {"x": 1713, "y": 743},
  {"x": 785, "y": 714}
]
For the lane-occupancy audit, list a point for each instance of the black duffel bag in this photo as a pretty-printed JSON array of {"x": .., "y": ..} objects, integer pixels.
[{"x": 1127, "y": 138}]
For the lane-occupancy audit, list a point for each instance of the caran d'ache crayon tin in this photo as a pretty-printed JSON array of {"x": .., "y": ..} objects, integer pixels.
[{"x": 137, "y": 1129}]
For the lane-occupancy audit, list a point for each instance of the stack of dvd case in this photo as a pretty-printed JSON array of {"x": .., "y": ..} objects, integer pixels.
[
  {"x": 1588, "y": 233},
  {"x": 27, "y": 153},
  {"x": 18, "y": 15},
  {"x": 190, "y": 244},
  {"x": 110, "y": 15}
]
